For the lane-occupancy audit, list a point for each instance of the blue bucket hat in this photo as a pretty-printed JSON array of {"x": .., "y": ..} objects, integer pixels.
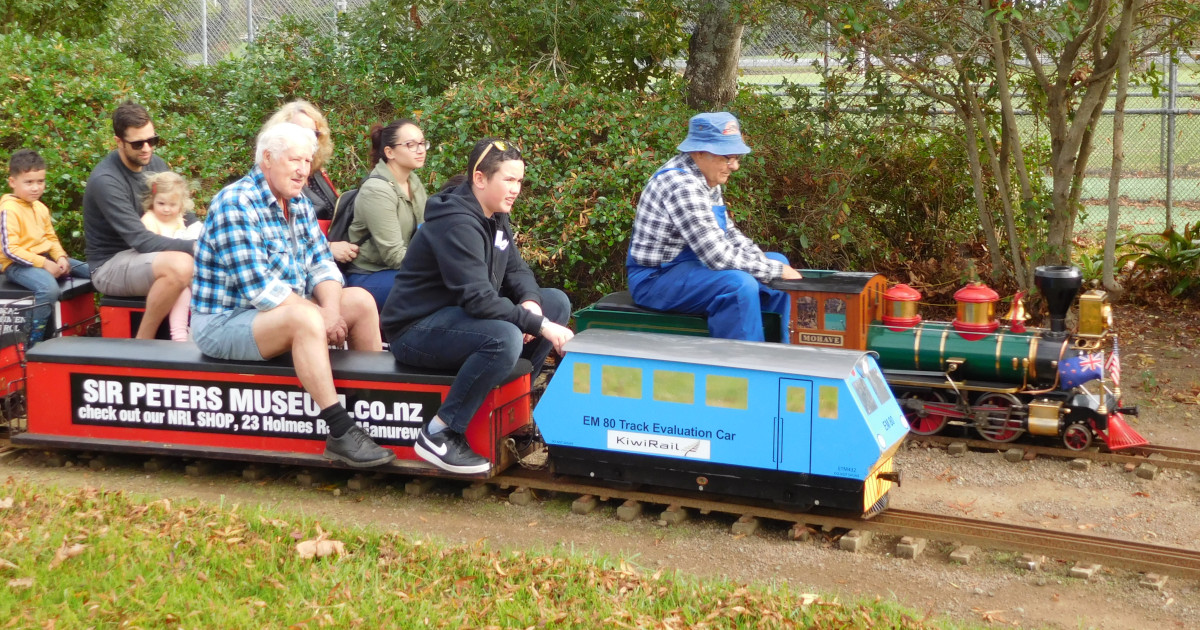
[{"x": 716, "y": 132}]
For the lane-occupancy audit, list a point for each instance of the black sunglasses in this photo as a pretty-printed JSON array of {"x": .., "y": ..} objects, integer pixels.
[{"x": 138, "y": 144}]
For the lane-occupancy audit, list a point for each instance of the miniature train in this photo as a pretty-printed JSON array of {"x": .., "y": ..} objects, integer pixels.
[
  {"x": 803, "y": 427},
  {"x": 1002, "y": 381}
]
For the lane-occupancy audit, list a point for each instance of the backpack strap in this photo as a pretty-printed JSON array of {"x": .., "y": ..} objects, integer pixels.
[
  {"x": 339, "y": 207},
  {"x": 368, "y": 236}
]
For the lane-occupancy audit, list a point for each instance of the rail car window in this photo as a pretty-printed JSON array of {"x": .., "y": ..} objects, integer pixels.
[
  {"x": 827, "y": 402},
  {"x": 864, "y": 395},
  {"x": 582, "y": 377},
  {"x": 806, "y": 312},
  {"x": 877, "y": 382},
  {"x": 676, "y": 387},
  {"x": 797, "y": 400},
  {"x": 622, "y": 382},
  {"x": 835, "y": 314},
  {"x": 731, "y": 392}
]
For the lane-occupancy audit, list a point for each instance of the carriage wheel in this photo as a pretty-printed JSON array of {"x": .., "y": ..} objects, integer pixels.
[
  {"x": 1077, "y": 437},
  {"x": 1001, "y": 424},
  {"x": 924, "y": 422}
]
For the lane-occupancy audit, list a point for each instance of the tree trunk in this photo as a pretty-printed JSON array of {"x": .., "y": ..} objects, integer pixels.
[
  {"x": 1118, "y": 141},
  {"x": 986, "y": 224},
  {"x": 713, "y": 55}
]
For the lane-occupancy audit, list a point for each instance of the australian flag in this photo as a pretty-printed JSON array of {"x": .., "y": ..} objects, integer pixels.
[{"x": 1078, "y": 370}]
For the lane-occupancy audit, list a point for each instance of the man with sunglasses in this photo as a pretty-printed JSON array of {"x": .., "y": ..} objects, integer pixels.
[
  {"x": 127, "y": 259},
  {"x": 686, "y": 255}
]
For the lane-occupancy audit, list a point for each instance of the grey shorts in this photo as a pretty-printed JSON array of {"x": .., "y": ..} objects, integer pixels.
[
  {"x": 228, "y": 335},
  {"x": 128, "y": 274}
]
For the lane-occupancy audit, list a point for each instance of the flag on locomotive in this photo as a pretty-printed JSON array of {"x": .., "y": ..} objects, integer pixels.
[
  {"x": 1114, "y": 365},
  {"x": 1080, "y": 369}
]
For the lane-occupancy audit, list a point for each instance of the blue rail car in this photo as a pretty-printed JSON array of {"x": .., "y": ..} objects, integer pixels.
[{"x": 802, "y": 426}]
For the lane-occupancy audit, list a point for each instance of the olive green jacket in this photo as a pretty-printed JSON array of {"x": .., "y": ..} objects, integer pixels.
[{"x": 383, "y": 212}]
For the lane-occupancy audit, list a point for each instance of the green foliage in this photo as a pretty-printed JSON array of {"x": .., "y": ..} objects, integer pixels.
[
  {"x": 623, "y": 44},
  {"x": 870, "y": 189},
  {"x": 140, "y": 29},
  {"x": 1170, "y": 259},
  {"x": 858, "y": 191}
]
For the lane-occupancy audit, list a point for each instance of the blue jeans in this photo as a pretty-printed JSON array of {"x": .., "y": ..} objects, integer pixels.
[
  {"x": 45, "y": 289},
  {"x": 483, "y": 350},
  {"x": 378, "y": 284},
  {"x": 733, "y": 300}
]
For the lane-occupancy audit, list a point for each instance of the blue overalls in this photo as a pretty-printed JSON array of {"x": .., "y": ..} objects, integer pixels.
[{"x": 732, "y": 299}]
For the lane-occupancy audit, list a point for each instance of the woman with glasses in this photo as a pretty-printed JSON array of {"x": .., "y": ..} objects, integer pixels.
[
  {"x": 319, "y": 189},
  {"x": 465, "y": 300},
  {"x": 389, "y": 207}
]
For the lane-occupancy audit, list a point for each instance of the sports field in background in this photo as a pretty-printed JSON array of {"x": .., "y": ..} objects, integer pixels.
[{"x": 1143, "y": 187}]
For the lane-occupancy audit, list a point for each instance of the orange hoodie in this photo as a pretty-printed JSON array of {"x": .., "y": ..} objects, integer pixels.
[{"x": 26, "y": 234}]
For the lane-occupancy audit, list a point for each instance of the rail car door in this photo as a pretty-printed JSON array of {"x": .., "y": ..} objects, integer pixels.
[{"x": 793, "y": 426}]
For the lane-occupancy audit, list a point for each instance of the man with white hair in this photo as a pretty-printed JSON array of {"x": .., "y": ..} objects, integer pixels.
[{"x": 267, "y": 284}]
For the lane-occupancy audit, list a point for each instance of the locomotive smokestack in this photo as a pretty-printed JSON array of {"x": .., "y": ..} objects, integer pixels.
[{"x": 1060, "y": 284}]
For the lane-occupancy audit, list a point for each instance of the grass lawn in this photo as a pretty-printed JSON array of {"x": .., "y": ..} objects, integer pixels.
[{"x": 88, "y": 558}]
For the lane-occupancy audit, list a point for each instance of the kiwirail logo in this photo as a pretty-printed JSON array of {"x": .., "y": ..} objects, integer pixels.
[{"x": 659, "y": 445}]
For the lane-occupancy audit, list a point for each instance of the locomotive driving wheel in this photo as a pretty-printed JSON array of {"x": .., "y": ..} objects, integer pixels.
[
  {"x": 1077, "y": 437},
  {"x": 997, "y": 419},
  {"x": 924, "y": 421}
]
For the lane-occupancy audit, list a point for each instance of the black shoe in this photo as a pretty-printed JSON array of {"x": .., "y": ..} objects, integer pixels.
[
  {"x": 448, "y": 450},
  {"x": 357, "y": 449}
]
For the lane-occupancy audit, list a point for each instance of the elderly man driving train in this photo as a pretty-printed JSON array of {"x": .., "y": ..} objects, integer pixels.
[{"x": 686, "y": 255}]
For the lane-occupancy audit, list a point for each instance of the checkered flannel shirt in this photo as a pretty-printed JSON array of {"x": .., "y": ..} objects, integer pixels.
[
  {"x": 676, "y": 211},
  {"x": 249, "y": 257}
]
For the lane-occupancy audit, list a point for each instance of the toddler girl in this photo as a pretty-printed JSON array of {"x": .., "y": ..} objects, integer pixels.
[{"x": 169, "y": 199}]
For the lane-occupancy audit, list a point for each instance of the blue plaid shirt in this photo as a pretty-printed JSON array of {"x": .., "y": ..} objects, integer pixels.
[
  {"x": 675, "y": 211},
  {"x": 249, "y": 257}
]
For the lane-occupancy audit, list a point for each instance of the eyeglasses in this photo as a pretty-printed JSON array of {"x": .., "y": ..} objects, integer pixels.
[
  {"x": 499, "y": 144},
  {"x": 731, "y": 160},
  {"x": 138, "y": 144},
  {"x": 414, "y": 145}
]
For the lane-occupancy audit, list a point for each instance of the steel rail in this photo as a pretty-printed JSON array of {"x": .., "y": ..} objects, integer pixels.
[
  {"x": 1080, "y": 547},
  {"x": 1168, "y": 456}
]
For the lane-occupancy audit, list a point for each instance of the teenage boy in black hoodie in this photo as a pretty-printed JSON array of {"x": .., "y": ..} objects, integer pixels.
[{"x": 465, "y": 299}]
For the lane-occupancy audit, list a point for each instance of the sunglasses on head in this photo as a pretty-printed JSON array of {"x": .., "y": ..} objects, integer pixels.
[
  {"x": 499, "y": 144},
  {"x": 138, "y": 144}
]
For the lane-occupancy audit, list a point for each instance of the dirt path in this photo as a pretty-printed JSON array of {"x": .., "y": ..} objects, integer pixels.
[{"x": 1159, "y": 360}]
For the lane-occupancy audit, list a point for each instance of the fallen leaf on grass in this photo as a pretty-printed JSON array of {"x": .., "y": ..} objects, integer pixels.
[
  {"x": 21, "y": 583},
  {"x": 6, "y": 503},
  {"x": 807, "y": 599},
  {"x": 66, "y": 552},
  {"x": 5, "y": 564},
  {"x": 320, "y": 548}
]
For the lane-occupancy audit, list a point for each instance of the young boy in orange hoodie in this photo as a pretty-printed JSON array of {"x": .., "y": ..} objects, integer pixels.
[{"x": 30, "y": 254}]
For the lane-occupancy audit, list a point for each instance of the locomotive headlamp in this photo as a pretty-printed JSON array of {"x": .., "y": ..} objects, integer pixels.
[{"x": 1095, "y": 314}]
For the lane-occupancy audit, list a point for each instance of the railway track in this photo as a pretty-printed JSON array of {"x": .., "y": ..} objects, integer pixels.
[
  {"x": 1065, "y": 545},
  {"x": 522, "y": 484},
  {"x": 1161, "y": 456}
]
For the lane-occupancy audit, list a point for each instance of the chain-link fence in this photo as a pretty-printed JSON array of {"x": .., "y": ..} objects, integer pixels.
[
  {"x": 218, "y": 28},
  {"x": 1160, "y": 177},
  {"x": 1160, "y": 182}
]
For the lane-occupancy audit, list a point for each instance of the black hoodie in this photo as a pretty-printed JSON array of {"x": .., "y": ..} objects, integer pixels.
[{"x": 460, "y": 257}]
